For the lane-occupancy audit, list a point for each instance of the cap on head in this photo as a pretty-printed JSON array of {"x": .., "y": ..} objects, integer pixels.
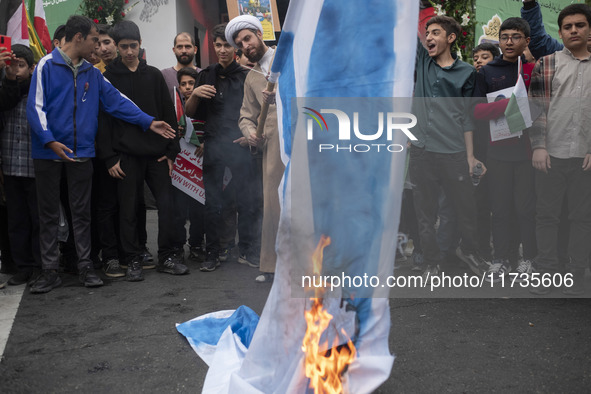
[{"x": 239, "y": 23}]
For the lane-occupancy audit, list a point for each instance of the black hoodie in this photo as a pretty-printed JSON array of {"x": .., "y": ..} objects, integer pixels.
[{"x": 147, "y": 88}]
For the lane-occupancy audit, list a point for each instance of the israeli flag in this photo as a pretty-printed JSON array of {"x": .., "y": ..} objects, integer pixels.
[{"x": 344, "y": 57}]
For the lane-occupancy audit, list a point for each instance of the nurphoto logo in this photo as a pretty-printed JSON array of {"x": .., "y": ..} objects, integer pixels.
[{"x": 394, "y": 121}]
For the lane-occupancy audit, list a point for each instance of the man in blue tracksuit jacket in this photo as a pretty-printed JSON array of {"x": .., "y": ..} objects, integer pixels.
[{"x": 62, "y": 109}]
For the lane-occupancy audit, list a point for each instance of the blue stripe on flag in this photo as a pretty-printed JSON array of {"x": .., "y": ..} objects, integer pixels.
[
  {"x": 209, "y": 330},
  {"x": 284, "y": 60},
  {"x": 364, "y": 70}
]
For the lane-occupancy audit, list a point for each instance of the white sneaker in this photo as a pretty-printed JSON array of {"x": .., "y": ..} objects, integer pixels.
[
  {"x": 498, "y": 269},
  {"x": 475, "y": 262},
  {"x": 524, "y": 270},
  {"x": 430, "y": 272},
  {"x": 265, "y": 277}
]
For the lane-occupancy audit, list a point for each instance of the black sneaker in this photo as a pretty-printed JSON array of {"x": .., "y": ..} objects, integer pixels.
[
  {"x": 147, "y": 260},
  {"x": 37, "y": 273},
  {"x": 48, "y": 281},
  {"x": 430, "y": 272},
  {"x": 21, "y": 277},
  {"x": 146, "y": 264},
  {"x": 251, "y": 261},
  {"x": 224, "y": 254},
  {"x": 576, "y": 289},
  {"x": 113, "y": 269},
  {"x": 540, "y": 290},
  {"x": 196, "y": 253},
  {"x": 210, "y": 263},
  {"x": 89, "y": 278},
  {"x": 476, "y": 263},
  {"x": 146, "y": 255},
  {"x": 173, "y": 265},
  {"x": 418, "y": 262},
  {"x": 135, "y": 272}
]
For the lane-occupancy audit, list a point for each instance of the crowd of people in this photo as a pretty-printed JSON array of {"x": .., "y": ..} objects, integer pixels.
[
  {"x": 532, "y": 192},
  {"x": 85, "y": 128},
  {"x": 92, "y": 123}
]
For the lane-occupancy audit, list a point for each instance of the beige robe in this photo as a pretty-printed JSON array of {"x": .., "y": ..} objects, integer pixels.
[{"x": 273, "y": 167}]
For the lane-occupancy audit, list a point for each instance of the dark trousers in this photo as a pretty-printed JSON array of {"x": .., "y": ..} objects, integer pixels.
[
  {"x": 107, "y": 207},
  {"x": 408, "y": 220},
  {"x": 107, "y": 217},
  {"x": 429, "y": 173},
  {"x": 448, "y": 237},
  {"x": 513, "y": 205},
  {"x": 483, "y": 216},
  {"x": 23, "y": 221},
  {"x": 171, "y": 235},
  {"x": 48, "y": 174},
  {"x": 217, "y": 157},
  {"x": 187, "y": 207},
  {"x": 565, "y": 179}
]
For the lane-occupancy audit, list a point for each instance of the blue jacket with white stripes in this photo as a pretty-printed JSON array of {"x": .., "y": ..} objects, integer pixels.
[{"x": 65, "y": 108}]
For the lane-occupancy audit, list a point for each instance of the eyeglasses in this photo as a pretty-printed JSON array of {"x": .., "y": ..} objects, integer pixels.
[{"x": 515, "y": 38}]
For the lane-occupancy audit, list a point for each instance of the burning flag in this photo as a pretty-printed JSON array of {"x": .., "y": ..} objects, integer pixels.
[{"x": 351, "y": 196}]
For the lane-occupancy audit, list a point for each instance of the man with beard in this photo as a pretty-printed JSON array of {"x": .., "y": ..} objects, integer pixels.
[
  {"x": 185, "y": 50},
  {"x": 246, "y": 33}
]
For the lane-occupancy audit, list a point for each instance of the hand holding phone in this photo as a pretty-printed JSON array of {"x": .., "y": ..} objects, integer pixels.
[{"x": 5, "y": 50}]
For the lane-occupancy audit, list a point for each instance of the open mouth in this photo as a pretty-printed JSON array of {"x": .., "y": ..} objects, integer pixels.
[{"x": 431, "y": 47}]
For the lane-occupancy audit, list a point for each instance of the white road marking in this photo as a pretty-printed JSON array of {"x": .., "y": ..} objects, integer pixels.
[{"x": 10, "y": 298}]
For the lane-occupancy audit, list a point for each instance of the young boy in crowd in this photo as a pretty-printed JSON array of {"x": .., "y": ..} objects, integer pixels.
[
  {"x": 561, "y": 144},
  {"x": 17, "y": 167},
  {"x": 483, "y": 54},
  {"x": 442, "y": 157},
  {"x": 107, "y": 51},
  {"x": 63, "y": 148},
  {"x": 133, "y": 156},
  {"x": 510, "y": 174},
  {"x": 187, "y": 79}
]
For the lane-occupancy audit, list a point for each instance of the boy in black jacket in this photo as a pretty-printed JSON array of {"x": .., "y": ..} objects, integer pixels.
[
  {"x": 219, "y": 93},
  {"x": 132, "y": 156},
  {"x": 510, "y": 173}
]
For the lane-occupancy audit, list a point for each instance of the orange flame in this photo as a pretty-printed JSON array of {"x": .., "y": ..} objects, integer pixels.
[{"x": 323, "y": 368}]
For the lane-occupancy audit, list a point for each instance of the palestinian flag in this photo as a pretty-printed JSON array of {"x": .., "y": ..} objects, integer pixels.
[
  {"x": 179, "y": 108},
  {"x": 189, "y": 134},
  {"x": 517, "y": 112},
  {"x": 13, "y": 21}
]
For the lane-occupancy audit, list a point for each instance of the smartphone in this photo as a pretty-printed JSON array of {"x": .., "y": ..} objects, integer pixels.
[{"x": 5, "y": 42}]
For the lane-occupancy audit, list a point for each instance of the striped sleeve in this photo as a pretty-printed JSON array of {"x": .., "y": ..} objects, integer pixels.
[{"x": 36, "y": 108}]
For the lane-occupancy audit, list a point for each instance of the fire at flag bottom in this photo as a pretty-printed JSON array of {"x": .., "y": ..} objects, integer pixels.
[{"x": 325, "y": 225}]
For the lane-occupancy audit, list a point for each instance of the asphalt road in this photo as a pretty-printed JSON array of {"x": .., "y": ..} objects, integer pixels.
[{"x": 122, "y": 338}]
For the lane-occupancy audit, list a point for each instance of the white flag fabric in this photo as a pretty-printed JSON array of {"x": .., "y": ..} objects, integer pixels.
[
  {"x": 518, "y": 113},
  {"x": 332, "y": 49}
]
